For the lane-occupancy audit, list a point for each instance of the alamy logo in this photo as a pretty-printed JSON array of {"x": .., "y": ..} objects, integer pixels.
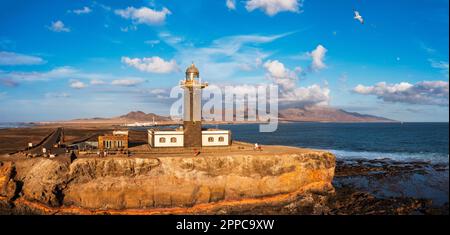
[{"x": 257, "y": 104}]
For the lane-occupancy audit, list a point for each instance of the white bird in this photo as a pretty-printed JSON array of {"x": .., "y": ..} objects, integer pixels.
[{"x": 358, "y": 17}]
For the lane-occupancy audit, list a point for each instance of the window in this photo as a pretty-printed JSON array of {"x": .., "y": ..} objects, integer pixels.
[
  {"x": 162, "y": 140},
  {"x": 173, "y": 140},
  {"x": 221, "y": 139},
  {"x": 210, "y": 139}
]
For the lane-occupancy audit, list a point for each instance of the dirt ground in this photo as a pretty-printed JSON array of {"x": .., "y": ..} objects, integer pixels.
[{"x": 16, "y": 139}]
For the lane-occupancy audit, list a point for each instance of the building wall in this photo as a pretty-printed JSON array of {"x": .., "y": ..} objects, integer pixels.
[
  {"x": 192, "y": 133},
  {"x": 192, "y": 104},
  {"x": 120, "y": 132},
  {"x": 208, "y": 138},
  {"x": 113, "y": 142},
  {"x": 216, "y": 138},
  {"x": 177, "y": 136},
  {"x": 150, "y": 138}
]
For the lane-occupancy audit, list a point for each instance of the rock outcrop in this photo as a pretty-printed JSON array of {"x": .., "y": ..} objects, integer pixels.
[
  {"x": 7, "y": 183},
  {"x": 176, "y": 185}
]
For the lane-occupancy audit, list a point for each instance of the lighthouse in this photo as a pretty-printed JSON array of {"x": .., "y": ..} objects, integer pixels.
[
  {"x": 191, "y": 135},
  {"x": 192, "y": 116}
]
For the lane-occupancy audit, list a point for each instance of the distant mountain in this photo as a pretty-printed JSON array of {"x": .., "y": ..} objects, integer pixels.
[
  {"x": 326, "y": 114},
  {"x": 306, "y": 114},
  {"x": 131, "y": 117},
  {"x": 139, "y": 116}
]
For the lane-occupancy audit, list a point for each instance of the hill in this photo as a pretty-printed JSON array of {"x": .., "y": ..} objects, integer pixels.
[
  {"x": 139, "y": 116},
  {"x": 326, "y": 114}
]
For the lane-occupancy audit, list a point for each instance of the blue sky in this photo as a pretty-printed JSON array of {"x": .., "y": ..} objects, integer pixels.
[{"x": 83, "y": 58}]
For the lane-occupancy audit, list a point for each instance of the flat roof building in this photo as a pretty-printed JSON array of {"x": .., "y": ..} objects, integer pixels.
[{"x": 116, "y": 141}]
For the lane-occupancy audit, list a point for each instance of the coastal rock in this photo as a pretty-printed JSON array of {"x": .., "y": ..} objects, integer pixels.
[
  {"x": 42, "y": 180},
  {"x": 168, "y": 182},
  {"x": 186, "y": 185},
  {"x": 7, "y": 183}
]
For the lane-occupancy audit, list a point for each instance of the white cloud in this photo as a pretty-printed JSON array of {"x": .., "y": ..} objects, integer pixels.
[
  {"x": 8, "y": 82},
  {"x": 231, "y": 4},
  {"x": 284, "y": 77},
  {"x": 153, "y": 64},
  {"x": 76, "y": 84},
  {"x": 12, "y": 58},
  {"x": 128, "y": 28},
  {"x": 318, "y": 57},
  {"x": 273, "y": 7},
  {"x": 102, "y": 6},
  {"x": 76, "y": 78},
  {"x": 426, "y": 92},
  {"x": 60, "y": 72},
  {"x": 144, "y": 15},
  {"x": 7, "y": 44},
  {"x": 97, "y": 82},
  {"x": 426, "y": 48},
  {"x": 290, "y": 93},
  {"x": 159, "y": 91},
  {"x": 84, "y": 10},
  {"x": 152, "y": 42},
  {"x": 442, "y": 65},
  {"x": 169, "y": 38},
  {"x": 163, "y": 95},
  {"x": 224, "y": 57},
  {"x": 239, "y": 40},
  {"x": 57, "y": 95},
  {"x": 58, "y": 26},
  {"x": 308, "y": 96},
  {"x": 126, "y": 82}
]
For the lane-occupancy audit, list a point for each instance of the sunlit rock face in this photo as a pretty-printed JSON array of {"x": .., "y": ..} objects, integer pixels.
[{"x": 177, "y": 185}]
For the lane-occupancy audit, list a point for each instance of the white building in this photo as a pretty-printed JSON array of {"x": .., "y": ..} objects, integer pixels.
[
  {"x": 175, "y": 138},
  {"x": 165, "y": 138},
  {"x": 216, "y": 138}
]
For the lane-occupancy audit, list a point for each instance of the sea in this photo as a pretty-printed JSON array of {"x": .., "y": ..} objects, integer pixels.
[
  {"x": 4, "y": 125},
  {"x": 397, "y": 141},
  {"x": 405, "y": 143}
]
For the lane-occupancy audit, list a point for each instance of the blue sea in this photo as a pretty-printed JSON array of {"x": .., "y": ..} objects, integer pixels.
[
  {"x": 4, "y": 125},
  {"x": 405, "y": 143},
  {"x": 396, "y": 141}
]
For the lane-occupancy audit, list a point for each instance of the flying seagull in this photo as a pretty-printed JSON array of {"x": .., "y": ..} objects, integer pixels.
[{"x": 358, "y": 17}]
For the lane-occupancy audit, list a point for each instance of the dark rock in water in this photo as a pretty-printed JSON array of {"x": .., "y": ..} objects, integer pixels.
[
  {"x": 384, "y": 186},
  {"x": 348, "y": 201}
]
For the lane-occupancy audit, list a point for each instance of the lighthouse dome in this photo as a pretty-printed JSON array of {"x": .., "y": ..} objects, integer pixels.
[{"x": 192, "y": 72}]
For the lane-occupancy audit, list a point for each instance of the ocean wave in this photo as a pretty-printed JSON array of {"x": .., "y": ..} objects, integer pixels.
[{"x": 396, "y": 156}]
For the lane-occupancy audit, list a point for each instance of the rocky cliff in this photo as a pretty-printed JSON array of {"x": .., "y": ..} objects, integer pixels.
[{"x": 235, "y": 183}]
